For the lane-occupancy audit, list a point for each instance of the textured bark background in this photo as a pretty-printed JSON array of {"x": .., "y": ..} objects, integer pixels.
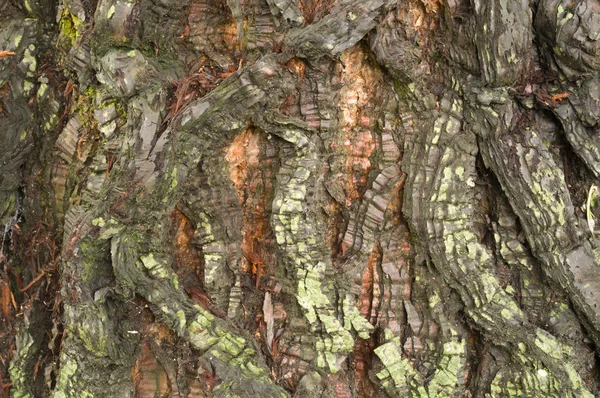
[{"x": 310, "y": 198}]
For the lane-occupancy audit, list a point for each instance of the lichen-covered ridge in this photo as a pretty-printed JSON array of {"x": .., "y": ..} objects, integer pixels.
[{"x": 498, "y": 128}]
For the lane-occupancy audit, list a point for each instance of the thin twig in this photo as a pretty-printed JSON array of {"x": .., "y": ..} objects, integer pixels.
[{"x": 33, "y": 282}]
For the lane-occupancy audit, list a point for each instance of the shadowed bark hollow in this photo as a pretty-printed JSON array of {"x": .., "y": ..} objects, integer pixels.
[{"x": 299, "y": 198}]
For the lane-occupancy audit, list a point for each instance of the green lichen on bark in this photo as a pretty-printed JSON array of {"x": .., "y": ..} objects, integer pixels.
[
  {"x": 200, "y": 127},
  {"x": 478, "y": 303},
  {"x": 18, "y": 36},
  {"x": 444, "y": 217},
  {"x": 531, "y": 179},
  {"x": 304, "y": 251},
  {"x": 347, "y": 24}
]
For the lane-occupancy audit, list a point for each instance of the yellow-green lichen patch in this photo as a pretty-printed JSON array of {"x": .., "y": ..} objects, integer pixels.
[
  {"x": 29, "y": 61},
  {"x": 155, "y": 268},
  {"x": 181, "y": 319},
  {"x": 17, "y": 372},
  {"x": 173, "y": 176},
  {"x": 449, "y": 369},
  {"x": 231, "y": 345},
  {"x": 397, "y": 369},
  {"x": 577, "y": 383},
  {"x": 534, "y": 379},
  {"x": 230, "y": 349},
  {"x": 51, "y": 123},
  {"x": 27, "y": 87},
  {"x": 98, "y": 222},
  {"x": 68, "y": 368},
  {"x": 17, "y": 40},
  {"x": 434, "y": 300},
  {"x": 199, "y": 336},
  {"x": 254, "y": 370},
  {"x": 42, "y": 91},
  {"x": 549, "y": 345},
  {"x": 213, "y": 263},
  {"x": 310, "y": 294},
  {"x": 70, "y": 27},
  {"x": 353, "y": 319}
]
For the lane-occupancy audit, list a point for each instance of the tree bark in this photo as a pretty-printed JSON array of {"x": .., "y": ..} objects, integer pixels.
[{"x": 309, "y": 198}]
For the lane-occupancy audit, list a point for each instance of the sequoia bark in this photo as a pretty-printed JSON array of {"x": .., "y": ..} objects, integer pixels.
[{"x": 311, "y": 198}]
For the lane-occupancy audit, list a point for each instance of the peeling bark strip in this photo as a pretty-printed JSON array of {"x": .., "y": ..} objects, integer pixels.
[{"x": 309, "y": 198}]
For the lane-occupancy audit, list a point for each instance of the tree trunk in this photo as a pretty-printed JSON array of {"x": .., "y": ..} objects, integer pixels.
[{"x": 310, "y": 198}]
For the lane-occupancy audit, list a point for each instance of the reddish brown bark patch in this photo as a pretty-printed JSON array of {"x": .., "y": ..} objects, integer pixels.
[
  {"x": 189, "y": 262},
  {"x": 314, "y": 10},
  {"x": 149, "y": 377},
  {"x": 251, "y": 170}
]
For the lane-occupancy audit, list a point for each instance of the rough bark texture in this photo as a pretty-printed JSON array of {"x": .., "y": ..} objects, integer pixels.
[{"x": 310, "y": 198}]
